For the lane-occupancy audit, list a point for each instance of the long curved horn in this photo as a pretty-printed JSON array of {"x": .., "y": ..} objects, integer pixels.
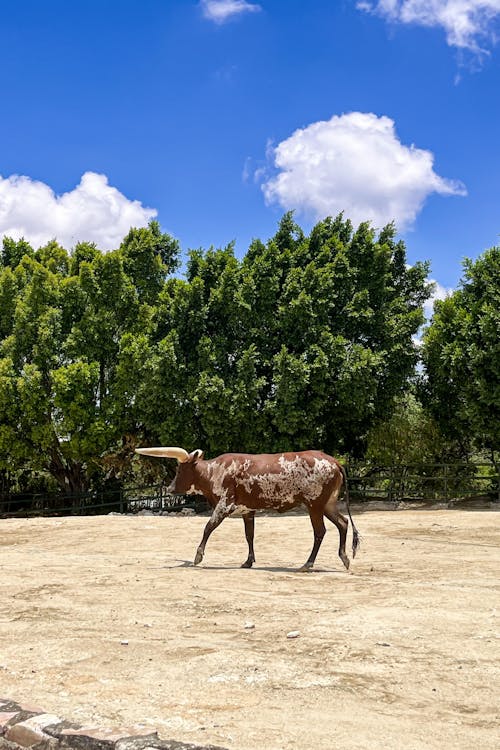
[{"x": 179, "y": 453}]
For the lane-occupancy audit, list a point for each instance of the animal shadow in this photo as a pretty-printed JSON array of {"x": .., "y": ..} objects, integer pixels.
[{"x": 265, "y": 568}]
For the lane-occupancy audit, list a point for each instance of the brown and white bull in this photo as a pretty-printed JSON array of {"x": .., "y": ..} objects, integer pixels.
[{"x": 245, "y": 483}]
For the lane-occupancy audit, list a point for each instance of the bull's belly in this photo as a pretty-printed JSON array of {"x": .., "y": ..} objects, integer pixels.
[{"x": 279, "y": 504}]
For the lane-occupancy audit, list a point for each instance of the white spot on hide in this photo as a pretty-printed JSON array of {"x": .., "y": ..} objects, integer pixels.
[
  {"x": 193, "y": 490},
  {"x": 293, "y": 482},
  {"x": 296, "y": 479}
]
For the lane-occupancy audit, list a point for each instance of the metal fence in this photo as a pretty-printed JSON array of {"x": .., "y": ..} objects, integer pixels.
[
  {"x": 426, "y": 482},
  {"x": 152, "y": 498},
  {"x": 417, "y": 483}
]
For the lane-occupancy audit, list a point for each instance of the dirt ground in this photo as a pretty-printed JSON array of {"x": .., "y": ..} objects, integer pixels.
[{"x": 104, "y": 622}]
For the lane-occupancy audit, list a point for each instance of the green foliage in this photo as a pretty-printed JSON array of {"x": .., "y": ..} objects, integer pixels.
[
  {"x": 148, "y": 256},
  {"x": 53, "y": 257},
  {"x": 409, "y": 437},
  {"x": 64, "y": 322},
  {"x": 83, "y": 252},
  {"x": 305, "y": 342},
  {"x": 14, "y": 251},
  {"x": 461, "y": 355}
]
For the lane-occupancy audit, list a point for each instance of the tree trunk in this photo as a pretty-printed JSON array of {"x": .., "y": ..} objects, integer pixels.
[{"x": 69, "y": 475}]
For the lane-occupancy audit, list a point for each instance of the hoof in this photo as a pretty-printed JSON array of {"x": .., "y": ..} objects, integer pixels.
[
  {"x": 198, "y": 558},
  {"x": 346, "y": 562},
  {"x": 305, "y": 568},
  {"x": 247, "y": 564}
]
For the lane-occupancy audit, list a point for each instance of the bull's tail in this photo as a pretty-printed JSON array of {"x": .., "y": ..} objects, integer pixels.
[{"x": 355, "y": 534}]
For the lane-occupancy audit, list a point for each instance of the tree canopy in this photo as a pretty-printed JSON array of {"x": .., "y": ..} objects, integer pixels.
[
  {"x": 461, "y": 355},
  {"x": 306, "y": 341}
]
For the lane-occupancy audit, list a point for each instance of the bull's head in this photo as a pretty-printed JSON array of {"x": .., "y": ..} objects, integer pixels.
[{"x": 186, "y": 480}]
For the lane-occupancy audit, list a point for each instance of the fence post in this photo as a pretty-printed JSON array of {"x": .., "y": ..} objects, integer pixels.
[{"x": 445, "y": 477}]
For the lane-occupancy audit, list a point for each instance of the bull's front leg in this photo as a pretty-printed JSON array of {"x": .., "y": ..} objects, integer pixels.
[{"x": 220, "y": 512}]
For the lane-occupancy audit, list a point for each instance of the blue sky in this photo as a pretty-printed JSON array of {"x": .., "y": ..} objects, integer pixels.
[{"x": 218, "y": 116}]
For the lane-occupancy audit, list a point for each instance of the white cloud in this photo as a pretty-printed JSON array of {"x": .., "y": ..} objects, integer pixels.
[
  {"x": 440, "y": 292},
  {"x": 93, "y": 212},
  {"x": 467, "y": 23},
  {"x": 354, "y": 163},
  {"x": 221, "y": 11}
]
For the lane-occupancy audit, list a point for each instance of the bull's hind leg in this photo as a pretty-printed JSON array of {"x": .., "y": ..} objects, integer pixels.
[
  {"x": 318, "y": 525},
  {"x": 249, "y": 521},
  {"x": 342, "y": 524}
]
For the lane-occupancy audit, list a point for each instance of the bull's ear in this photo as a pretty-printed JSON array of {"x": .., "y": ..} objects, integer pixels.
[{"x": 195, "y": 455}]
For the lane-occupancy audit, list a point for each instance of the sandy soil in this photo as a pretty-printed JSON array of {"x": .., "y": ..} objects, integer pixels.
[{"x": 103, "y": 621}]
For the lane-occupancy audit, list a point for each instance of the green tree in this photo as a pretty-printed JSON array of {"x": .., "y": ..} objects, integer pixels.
[
  {"x": 148, "y": 257},
  {"x": 461, "y": 355},
  {"x": 54, "y": 257},
  {"x": 13, "y": 251},
  {"x": 202, "y": 359},
  {"x": 307, "y": 341},
  {"x": 334, "y": 317},
  {"x": 409, "y": 437},
  {"x": 64, "y": 323}
]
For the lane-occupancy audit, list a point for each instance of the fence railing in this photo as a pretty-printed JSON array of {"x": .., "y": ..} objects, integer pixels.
[
  {"x": 430, "y": 482},
  {"x": 153, "y": 498}
]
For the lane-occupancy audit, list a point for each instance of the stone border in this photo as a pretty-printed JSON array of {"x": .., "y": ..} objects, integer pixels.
[{"x": 24, "y": 726}]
